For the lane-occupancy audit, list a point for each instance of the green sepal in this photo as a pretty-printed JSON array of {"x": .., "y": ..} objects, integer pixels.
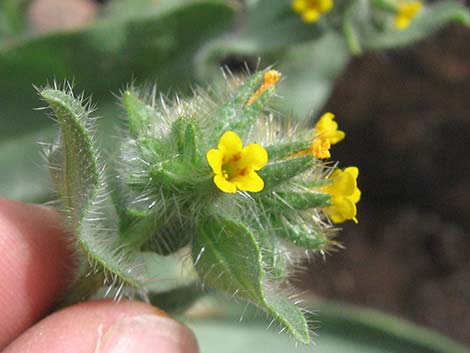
[
  {"x": 284, "y": 150},
  {"x": 235, "y": 114},
  {"x": 280, "y": 172},
  {"x": 292, "y": 200},
  {"x": 299, "y": 233},
  {"x": 184, "y": 133},
  {"x": 139, "y": 115},
  {"x": 227, "y": 257},
  {"x": 166, "y": 174}
]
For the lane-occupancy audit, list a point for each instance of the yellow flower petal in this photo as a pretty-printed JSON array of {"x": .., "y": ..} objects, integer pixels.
[
  {"x": 407, "y": 11},
  {"x": 230, "y": 144},
  {"x": 344, "y": 195},
  {"x": 224, "y": 185},
  {"x": 255, "y": 156},
  {"x": 342, "y": 210},
  {"x": 250, "y": 182},
  {"x": 326, "y": 5},
  {"x": 234, "y": 166},
  {"x": 311, "y": 10},
  {"x": 321, "y": 148},
  {"x": 354, "y": 171},
  {"x": 402, "y": 22},
  {"x": 299, "y": 5},
  {"x": 327, "y": 128},
  {"x": 214, "y": 158},
  {"x": 311, "y": 15}
]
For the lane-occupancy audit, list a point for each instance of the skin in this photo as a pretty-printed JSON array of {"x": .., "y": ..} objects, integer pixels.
[{"x": 35, "y": 268}]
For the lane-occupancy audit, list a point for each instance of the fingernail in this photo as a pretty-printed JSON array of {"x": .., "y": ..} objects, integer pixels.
[{"x": 148, "y": 333}]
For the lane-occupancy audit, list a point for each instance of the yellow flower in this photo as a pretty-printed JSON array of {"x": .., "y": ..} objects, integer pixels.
[
  {"x": 327, "y": 129},
  {"x": 326, "y": 134},
  {"x": 270, "y": 78},
  {"x": 344, "y": 195},
  {"x": 235, "y": 166},
  {"x": 406, "y": 12},
  {"x": 321, "y": 148},
  {"x": 311, "y": 10}
]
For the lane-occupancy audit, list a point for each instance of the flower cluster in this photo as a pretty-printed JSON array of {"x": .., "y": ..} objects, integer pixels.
[
  {"x": 406, "y": 12},
  {"x": 311, "y": 10},
  {"x": 235, "y": 167},
  {"x": 186, "y": 183}
]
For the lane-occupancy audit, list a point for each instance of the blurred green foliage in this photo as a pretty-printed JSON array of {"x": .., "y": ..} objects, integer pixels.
[{"x": 339, "y": 327}]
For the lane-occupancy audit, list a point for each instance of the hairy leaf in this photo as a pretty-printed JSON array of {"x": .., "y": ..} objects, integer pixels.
[
  {"x": 76, "y": 173},
  {"x": 228, "y": 257}
]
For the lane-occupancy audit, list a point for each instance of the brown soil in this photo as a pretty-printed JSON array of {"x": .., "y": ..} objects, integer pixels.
[{"x": 407, "y": 117}]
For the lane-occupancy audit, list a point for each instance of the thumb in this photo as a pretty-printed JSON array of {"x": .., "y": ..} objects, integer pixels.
[{"x": 106, "y": 327}]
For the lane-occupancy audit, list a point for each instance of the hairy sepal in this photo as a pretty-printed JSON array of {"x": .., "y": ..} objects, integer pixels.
[
  {"x": 236, "y": 114},
  {"x": 228, "y": 258},
  {"x": 277, "y": 173}
]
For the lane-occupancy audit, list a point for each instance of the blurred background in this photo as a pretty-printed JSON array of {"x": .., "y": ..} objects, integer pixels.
[
  {"x": 407, "y": 118},
  {"x": 406, "y": 112}
]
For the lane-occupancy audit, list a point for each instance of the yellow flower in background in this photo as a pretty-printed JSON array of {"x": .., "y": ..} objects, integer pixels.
[
  {"x": 327, "y": 129},
  {"x": 344, "y": 195},
  {"x": 407, "y": 11},
  {"x": 235, "y": 166},
  {"x": 311, "y": 10}
]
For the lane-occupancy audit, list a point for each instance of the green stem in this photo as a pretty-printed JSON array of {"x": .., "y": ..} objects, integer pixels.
[{"x": 349, "y": 31}]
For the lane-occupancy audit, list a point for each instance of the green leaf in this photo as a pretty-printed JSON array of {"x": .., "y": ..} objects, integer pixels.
[
  {"x": 432, "y": 18},
  {"x": 184, "y": 133},
  {"x": 74, "y": 164},
  {"x": 227, "y": 257},
  {"x": 12, "y": 17},
  {"x": 139, "y": 115},
  {"x": 76, "y": 174}
]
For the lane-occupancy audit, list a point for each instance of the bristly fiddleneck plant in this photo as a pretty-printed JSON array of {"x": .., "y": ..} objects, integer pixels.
[{"x": 182, "y": 179}]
